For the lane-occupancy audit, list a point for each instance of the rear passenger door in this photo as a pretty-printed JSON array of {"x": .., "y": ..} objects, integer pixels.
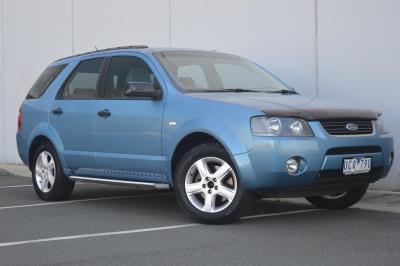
[
  {"x": 128, "y": 140},
  {"x": 73, "y": 113}
]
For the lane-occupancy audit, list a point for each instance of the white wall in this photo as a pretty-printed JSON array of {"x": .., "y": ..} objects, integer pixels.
[
  {"x": 105, "y": 23},
  {"x": 278, "y": 34},
  {"x": 35, "y": 33},
  {"x": 358, "y": 40},
  {"x": 2, "y": 98}
]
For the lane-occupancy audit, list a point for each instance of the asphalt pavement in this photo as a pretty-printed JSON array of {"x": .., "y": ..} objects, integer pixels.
[{"x": 114, "y": 225}]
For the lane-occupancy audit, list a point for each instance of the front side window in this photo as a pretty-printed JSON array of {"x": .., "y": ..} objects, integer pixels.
[
  {"x": 44, "y": 81},
  {"x": 124, "y": 69},
  {"x": 216, "y": 72},
  {"x": 83, "y": 81}
]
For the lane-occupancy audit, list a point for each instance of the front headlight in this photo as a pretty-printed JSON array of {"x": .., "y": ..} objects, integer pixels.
[
  {"x": 279, "y": 126},
  {"x": 380, "y": 127}
]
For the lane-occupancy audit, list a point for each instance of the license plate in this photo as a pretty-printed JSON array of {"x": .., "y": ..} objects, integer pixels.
[{"x": 357, "y": 165}]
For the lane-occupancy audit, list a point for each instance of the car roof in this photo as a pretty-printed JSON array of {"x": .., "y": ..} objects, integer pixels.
[{"x": 134, "y": 48}]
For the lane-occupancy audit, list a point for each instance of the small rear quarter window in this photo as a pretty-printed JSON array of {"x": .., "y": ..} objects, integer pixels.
[{"x": 44, "y": 81}]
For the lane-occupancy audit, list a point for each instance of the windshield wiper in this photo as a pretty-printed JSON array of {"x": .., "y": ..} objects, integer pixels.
[
  {"x": 284, "y": 91},
  {"x": 234, "y": 90}
]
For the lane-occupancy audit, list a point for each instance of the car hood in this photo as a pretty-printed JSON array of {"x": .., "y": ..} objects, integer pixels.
[{"x": 291, "y": 105}]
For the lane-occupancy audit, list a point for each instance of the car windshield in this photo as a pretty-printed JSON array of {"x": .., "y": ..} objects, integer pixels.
[{"x": 216, "y": 72}]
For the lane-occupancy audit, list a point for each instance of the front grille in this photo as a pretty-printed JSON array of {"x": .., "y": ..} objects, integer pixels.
[{"x": 338, "y": 127}]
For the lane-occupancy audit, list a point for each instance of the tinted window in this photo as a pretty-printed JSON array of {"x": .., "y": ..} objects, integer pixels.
[
  {"x": 83, "y": 81},
  {"x": 124, "y": 69},
  {"x": 44, "y": 81}
]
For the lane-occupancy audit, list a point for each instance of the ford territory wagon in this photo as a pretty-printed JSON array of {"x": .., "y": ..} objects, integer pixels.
[{"x": 215, "y": 128}]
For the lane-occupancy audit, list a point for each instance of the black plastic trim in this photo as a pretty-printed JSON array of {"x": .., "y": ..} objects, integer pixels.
[
  {"x": 353, "y": 150},
  {"x": 326, "y": 183},
  {"x": 100, "y": 87}
]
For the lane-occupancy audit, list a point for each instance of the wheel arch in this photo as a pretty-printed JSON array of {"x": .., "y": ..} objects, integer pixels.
[
  {"x": 35, "y": 144},
  {"x": 190, "y": 141},
  {"x": 45, "y": 133}
]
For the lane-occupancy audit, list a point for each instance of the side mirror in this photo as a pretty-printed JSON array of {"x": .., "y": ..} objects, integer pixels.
[{"x": 144, "y": 90}]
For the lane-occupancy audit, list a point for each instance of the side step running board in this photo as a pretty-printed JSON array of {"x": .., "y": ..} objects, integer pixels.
[{"x": 120, "y": 182}]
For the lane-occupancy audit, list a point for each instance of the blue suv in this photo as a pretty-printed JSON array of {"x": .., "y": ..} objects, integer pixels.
[{"x": 216, "y": 128}]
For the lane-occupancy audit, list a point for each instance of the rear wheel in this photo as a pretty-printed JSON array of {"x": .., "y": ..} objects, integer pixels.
[
  {"x": 47, "y": 176},
  {"x": 340, "y": 200},
  {"x": 208, "y": 188}
]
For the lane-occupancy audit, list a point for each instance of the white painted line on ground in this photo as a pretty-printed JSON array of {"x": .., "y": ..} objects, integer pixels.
[
  {"x": 278, "y": 214},
  {"x": 97, "y": 235},
  {"x": 376, "y": 208},
  {"x": 384, "y": 192},
  {"x": 81, "y": 200},
  {"x": 135, "y": 231},
  {"x": 16, "y": 186},
  {"x": 361, "y": 205}
]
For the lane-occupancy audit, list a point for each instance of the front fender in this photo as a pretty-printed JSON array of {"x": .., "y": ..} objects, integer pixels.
[
  {"x": 226, "y": 122},
  {"x": 235, "y": 142}
]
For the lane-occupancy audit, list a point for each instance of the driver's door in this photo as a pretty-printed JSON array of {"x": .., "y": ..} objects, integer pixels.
[{"x": 128, "y": 130}]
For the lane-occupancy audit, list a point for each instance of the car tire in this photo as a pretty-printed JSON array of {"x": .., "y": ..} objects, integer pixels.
[
  {"x": 205, "y": 194},
  {"x": 48, "y": 178},
  {"x": 339, "y": 201}
]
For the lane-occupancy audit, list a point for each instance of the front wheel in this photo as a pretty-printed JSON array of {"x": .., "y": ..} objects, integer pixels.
[
  {"x": 340, "y": 200},
  {"x": 208, "y": 188}
]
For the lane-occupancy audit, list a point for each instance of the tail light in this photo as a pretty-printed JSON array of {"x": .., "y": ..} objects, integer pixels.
[{"x": 19, "y": 120}]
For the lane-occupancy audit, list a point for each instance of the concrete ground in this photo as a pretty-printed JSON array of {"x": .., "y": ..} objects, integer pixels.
[{"x": 117, "y": 225}]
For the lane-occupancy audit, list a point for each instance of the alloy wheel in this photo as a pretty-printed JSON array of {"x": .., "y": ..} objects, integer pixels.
[
  {"x": 210, "y": 184},
  {"x": 45, "y": 171}
]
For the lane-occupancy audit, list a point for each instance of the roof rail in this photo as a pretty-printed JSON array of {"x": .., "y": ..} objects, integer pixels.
[{"x": 107, "y": 49}]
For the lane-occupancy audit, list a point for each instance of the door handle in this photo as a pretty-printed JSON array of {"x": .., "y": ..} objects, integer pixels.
[
  {"x": 57, "y": 111},
  {"x": 105, "y": 113}
]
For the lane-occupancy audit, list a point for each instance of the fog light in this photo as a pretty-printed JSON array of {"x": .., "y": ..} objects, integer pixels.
[{"x": 292, "y": 165}]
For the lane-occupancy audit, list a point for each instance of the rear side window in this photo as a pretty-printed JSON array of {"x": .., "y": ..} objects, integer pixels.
[
  {"x": 83, "y": 81},
  {"x": 44, "y": 81}
]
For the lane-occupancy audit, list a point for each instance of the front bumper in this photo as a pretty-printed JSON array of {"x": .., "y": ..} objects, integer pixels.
[{"x": 263, "y": 168}]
